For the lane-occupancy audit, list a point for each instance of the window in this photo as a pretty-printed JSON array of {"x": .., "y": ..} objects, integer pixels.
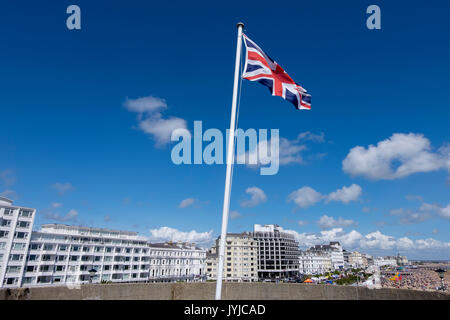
[
  {"x": 63, "y": 248},
  {"x": 21, "y": 235},
  {"x": 4, "y": 234},
  {"x": 8, "y": 212},
  {"x": 2, "y": 245},
  {"x": 35, "y": 246},
  {"x": 30, "y": 268},
  {"x": 33, "y": 257},
  {"x": 23, "y": 224},
  {"x": 73, "y": 258},
  {"x": 26, "y": 213},
  {"x": 75, "y": 248},
  {"x": 10, "y": 281},
  {"x": 16, "y": 257},
  {"x": 27, "y": 280},
  {"x": 13, "y": 269},
  {"x": 48, "y": 247},
  {"x": 1, "y": 257},
  {"x": 5, "y": 223}
]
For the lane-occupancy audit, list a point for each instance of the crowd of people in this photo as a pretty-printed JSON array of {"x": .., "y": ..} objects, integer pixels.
[{"x": 416, "y": 279}]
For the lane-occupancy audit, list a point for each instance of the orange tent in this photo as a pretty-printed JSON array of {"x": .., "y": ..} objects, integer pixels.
[{"x": 308, "y": 281}]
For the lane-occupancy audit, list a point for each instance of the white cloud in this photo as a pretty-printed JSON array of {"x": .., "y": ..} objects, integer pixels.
[
  {"x": 345, "y": 194},
  {"x": 302, "y": 223},
  {"x": 56, "y": 204},
  {"x": 70, "y": 216},
  {"x": 145, "y": 105},
  {"x": 161, "y": 129},
  {"x": 407, "y": 216},
  {"x": 191, "y": 202},
  {"x": 326, "y": 222},
  {"x": 10, "y": 194},
  {"x": 235, "y": 215},
  {"x": 375, "y": 243},
  {"x": 150, "y": 119},
  {"x": 257, "y": 196},
  {"x": 425, "y": 212},
  {"x": 445, "y": 212},
  {"x": 305, "y": 197},
  {"x": 171, "y": 234},
  {"x": 62, "y": 188},
  {"x": 412, "y": 152},
  {"x": 308, "y": 136},
  {"x": 7, "y": 178},
  {"x": 186, "y": 203}
]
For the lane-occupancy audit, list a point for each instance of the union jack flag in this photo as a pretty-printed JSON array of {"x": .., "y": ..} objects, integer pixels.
[{"x": 260, "y": 67}]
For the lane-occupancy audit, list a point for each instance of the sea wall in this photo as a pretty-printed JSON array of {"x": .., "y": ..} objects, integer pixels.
[{"x": 205, "y": 291}]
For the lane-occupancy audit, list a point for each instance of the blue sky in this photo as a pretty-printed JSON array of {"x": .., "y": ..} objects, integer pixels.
[{"x": 72, "y": 150}]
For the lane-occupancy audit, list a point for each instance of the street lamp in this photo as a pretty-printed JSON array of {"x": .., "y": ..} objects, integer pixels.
[
  {"x": 92, "y": 273},
  {"x": 441, "y": 272}
]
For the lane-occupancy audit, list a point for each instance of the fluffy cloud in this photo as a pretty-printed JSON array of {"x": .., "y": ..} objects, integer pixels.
[
  {"x": 326, "y": 222},
  {"x": 62, "y": 188},
  {"x": 308, "y": 136},
  {"x": 412, "y": 152},
  {"x": 191, "y": 202},
  {"x": 302, "y": 223},
  {"x": 235, "y": 215},
  {"x": 257, "y": 196},
  {"x": 307, "y": 196},
  {"x": 345, "y": 194},
  {"x": 425, "y": 212},
  {"x": 289, "y": 150},
  {"x": 7, "y": 178},
  {"x": 171, "y": 234},
  {"x": 407, "y": 216},
  {"x": 186, "y": 203},
  {"x": 150, "y": 118},
  {"x": 72, "y": 215},
  {"x": 10, "y": 194},
  {"x": 375, "y": 243}
]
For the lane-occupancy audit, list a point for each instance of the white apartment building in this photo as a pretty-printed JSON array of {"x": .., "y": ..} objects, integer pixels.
[
  {"x": 385, "y": 261},
  {"x": 16, "y": 224},
  {"x": 62, "y": 255},
  {"x": 240, "y": 261},
  {"x": 176, "y": 261},
  {"x": 355, "y": 260},
  {"x": 314, "y": 262},
  {"x": 278, "y": 252},
  {"x": 334, "y": 249}
]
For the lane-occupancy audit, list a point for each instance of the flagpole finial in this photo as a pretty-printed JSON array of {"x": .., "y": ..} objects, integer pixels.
[{"x": 240, "y": 24}]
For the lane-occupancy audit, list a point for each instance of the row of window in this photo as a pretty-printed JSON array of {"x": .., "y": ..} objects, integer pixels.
[
  {"x": 22, "y": 212},
  {"x": 17, "y": 234}
]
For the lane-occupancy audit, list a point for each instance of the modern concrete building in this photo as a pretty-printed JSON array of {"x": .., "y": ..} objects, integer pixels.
[
  {"x": 241, "y": 259},
  {"x": 16, "y": 224},
  {"x": 278, "y": 252}
]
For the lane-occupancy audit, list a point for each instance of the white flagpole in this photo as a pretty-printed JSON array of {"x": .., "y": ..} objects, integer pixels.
[{"x": 230, "y": 161}]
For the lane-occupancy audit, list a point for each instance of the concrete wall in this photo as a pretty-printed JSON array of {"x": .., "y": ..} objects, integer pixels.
[{"x": 205, "y": 291}]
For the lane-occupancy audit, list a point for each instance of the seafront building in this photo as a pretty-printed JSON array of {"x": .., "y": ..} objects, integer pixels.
[
  {"x": 334, "y": 249},
  {"x": 240, "y": 260},
  {"x": 60, "y": 254},
  {"x": 314, "y": 262},
  {"x": 16, "y": 224},
  {"x": 278, "y": 252}
]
